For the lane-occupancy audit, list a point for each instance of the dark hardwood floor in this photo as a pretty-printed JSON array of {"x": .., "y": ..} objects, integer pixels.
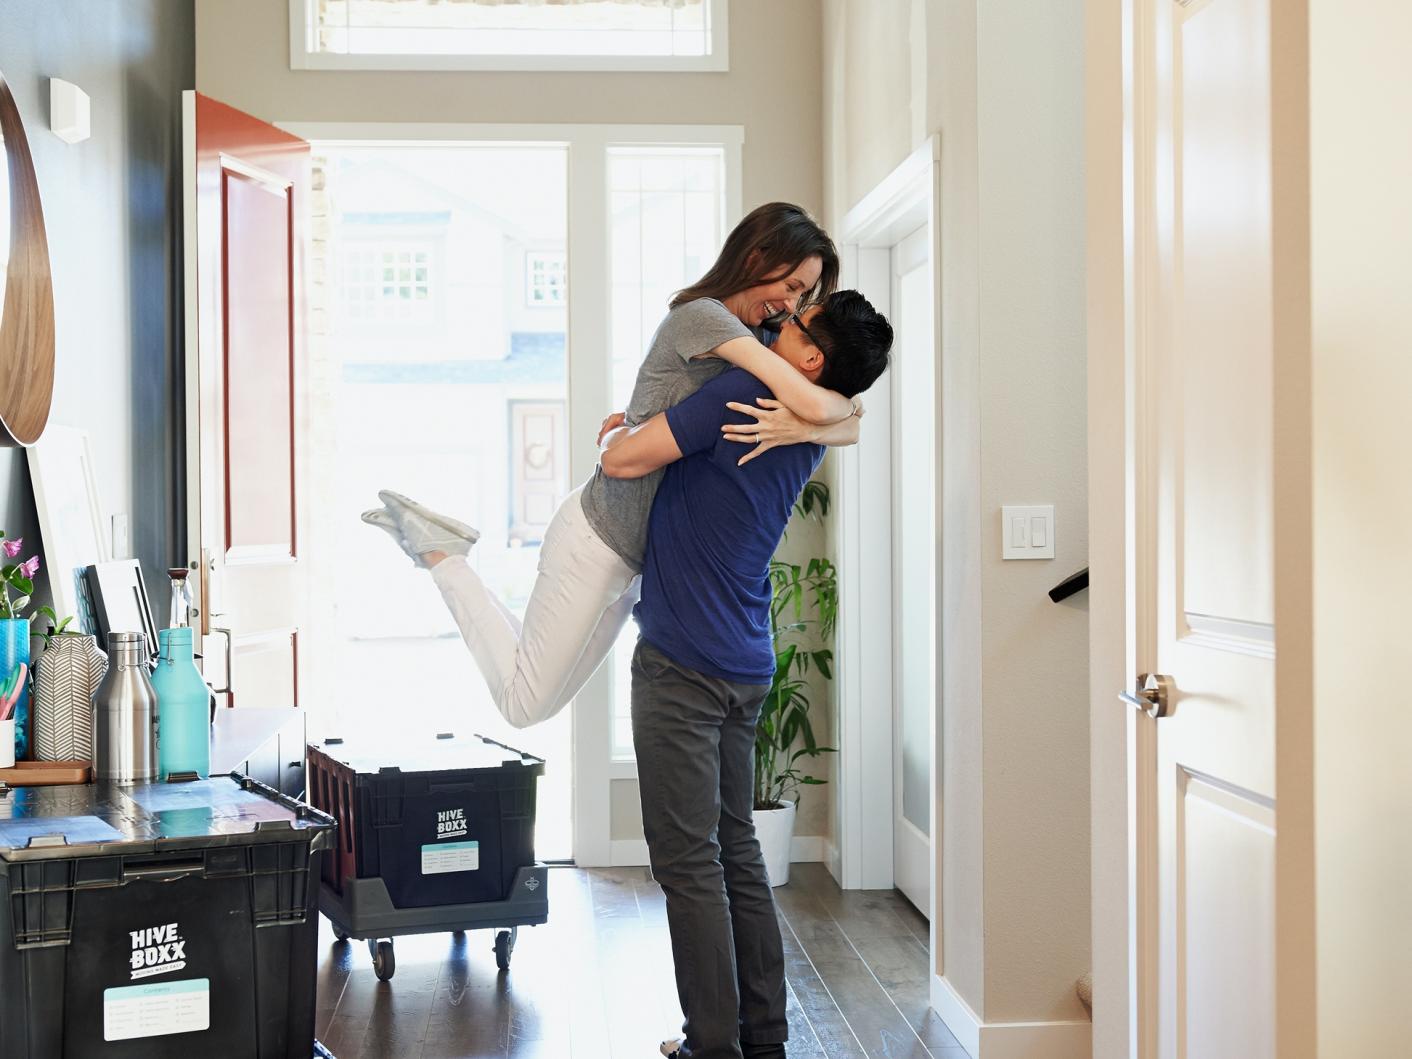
[{"x": 596, "y": 981}]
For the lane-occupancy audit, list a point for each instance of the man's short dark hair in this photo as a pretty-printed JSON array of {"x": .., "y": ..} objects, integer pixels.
[{"x": 855, "y": 339}]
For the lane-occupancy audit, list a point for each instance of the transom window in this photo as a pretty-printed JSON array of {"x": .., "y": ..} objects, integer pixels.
[{"x": 658, "y": 35}]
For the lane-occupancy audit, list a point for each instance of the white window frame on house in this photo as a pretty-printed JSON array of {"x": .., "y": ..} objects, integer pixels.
[
  {"x": 303, "y": 57},
  {"x": 590, "y": 369},
  {"x": 541, "y": 266},
  {"x": 426, "y": 311}
]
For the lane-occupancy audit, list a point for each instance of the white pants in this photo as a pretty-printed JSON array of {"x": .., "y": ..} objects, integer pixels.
[{"x": 582, "y": 598}]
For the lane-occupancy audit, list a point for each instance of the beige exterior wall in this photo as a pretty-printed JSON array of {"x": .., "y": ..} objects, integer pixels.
[
  {"x": 1001, "y": 82},
  {"x": 242, "y": 58}
]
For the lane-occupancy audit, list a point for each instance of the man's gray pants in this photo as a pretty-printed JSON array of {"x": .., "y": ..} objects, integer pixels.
[{"x": 694, "y": 738}]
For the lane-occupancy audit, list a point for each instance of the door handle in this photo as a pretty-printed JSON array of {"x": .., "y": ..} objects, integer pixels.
[
  {"x": 229, "y": 689},
  {"x": 1153, "y": 695}
]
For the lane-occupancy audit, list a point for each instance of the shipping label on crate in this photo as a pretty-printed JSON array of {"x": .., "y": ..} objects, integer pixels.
[
  {"x": 443, "y": 857},
  {"x": 156, "y": 1009}
]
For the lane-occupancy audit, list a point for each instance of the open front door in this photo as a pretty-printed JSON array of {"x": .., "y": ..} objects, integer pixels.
[{"x": 246, "y": 186}]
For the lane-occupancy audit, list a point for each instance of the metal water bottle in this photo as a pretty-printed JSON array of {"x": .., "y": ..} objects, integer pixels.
[
  {"x": 125, "y": 714},
  {"x": 183, "y": 708}
]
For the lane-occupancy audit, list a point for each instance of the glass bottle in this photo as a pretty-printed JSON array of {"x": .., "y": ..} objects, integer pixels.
[{"x": 180, "y": 615}]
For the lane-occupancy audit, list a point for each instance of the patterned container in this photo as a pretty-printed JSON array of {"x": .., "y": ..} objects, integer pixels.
[{"x": 67, "y": 674}]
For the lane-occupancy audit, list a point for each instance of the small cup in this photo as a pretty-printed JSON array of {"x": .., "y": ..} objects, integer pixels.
[{"x": 7, "y": 743}]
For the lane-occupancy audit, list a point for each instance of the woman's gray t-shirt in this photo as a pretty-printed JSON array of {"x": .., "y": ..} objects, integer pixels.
[{"x": 617, "y": 508}]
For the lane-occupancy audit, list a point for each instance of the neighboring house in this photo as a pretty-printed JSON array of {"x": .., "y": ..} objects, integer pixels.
[{"x": 449, "y": 324}]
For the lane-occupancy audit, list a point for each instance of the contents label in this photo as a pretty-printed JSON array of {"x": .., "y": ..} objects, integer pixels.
[
  {"x": 445, "y": 857},
  {"x": 156, "y": 1009}
]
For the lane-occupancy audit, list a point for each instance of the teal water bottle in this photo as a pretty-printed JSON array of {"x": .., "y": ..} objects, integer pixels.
[{"x": 183, "y": 708}]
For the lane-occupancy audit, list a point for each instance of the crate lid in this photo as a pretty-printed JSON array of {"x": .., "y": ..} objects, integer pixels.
[
  {"x": 108, "y": 818},
  {"x": 438, "y": 752}
]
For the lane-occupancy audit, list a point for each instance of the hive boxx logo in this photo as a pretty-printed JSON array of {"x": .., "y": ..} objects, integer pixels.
[
  {"x": 451, "y": 823},
  {"x": 157, "y": 950}
]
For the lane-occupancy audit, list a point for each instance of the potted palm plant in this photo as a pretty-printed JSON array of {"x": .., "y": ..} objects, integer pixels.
[{"x": 803, "y": 612}]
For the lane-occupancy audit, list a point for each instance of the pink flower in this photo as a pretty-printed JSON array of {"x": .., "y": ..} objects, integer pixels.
[
  {"x": 12, "y": 548},
  {"x": 30, "y": 567}
]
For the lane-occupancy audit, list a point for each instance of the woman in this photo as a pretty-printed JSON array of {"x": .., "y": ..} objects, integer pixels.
[{"x": 776, "y": 259}]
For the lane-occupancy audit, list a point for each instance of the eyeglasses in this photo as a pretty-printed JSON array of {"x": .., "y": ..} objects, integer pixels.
[{"x": 807, "y": 334}]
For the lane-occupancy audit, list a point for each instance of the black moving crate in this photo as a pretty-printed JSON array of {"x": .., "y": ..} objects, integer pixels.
[
  {"x": 158, "y": 920},
  {"x": 442, "y": 821}
]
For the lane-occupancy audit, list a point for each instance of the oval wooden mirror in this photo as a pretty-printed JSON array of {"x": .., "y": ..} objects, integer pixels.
[{"x": 27, "y": 308}]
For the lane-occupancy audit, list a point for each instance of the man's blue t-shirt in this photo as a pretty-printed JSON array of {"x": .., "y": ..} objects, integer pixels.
[{"x": 713, "y": 529}]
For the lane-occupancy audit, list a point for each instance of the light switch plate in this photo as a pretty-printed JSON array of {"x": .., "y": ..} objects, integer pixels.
[{"x": 1027, "y": 531}]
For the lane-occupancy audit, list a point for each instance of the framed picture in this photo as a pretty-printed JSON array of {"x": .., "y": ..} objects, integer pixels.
[
  {"x": 120, "y": 602},
  {"x": 70, "y": 518}
]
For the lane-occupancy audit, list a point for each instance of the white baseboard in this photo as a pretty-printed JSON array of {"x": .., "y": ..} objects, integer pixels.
[
  {"x": 964, "y": 1024},
  {"x": 834, "y": 861},
  {"x": 627, "y": 852},
  {"x": 1009, "y": 1040},
  {"x": 804, "y": 849}
]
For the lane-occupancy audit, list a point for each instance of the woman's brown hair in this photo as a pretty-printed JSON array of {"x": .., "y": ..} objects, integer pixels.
[{"x": 771, "y": 242}]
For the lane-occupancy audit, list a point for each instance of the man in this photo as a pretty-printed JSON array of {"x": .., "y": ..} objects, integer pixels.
[{"x": 704, "y": 663}]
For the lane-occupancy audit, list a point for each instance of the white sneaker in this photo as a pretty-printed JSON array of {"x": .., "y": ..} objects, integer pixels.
[
  {"x": 383, "y": 520},
  {"x": 397, "y": 503},
  {"x": 415, "y": 535}
]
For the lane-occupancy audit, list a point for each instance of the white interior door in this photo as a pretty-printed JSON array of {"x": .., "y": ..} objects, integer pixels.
[
  {"x": 1204, "y": 272},
  {"x": 914, "y": 413}
]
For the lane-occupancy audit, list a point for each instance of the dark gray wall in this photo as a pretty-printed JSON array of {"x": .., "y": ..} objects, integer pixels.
[{"x": 112, "y": 207}]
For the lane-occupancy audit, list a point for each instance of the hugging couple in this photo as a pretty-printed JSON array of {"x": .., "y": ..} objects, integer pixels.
[{"x": 677, "y": 528}]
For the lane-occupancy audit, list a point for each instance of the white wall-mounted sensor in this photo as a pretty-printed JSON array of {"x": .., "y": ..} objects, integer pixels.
[{"x": 68, "y": 111}]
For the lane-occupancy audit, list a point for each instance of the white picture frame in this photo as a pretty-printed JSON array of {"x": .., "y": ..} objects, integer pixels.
[{"x": 70, "y": 518}]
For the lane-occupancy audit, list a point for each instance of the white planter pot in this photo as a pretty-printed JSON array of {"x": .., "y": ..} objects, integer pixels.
[{"x": 775, "y": 830}]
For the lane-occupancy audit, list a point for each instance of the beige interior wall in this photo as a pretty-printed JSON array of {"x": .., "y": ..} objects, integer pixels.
[
  {"x": 242, "y": 58},
  {"x": 1033, "y": 449},
  {"x": 1002, "y": 84},
  {"x": 1361, "y": 169}
]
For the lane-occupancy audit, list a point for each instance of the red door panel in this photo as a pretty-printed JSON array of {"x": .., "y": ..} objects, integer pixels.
[{"x": 247, "y": 199}]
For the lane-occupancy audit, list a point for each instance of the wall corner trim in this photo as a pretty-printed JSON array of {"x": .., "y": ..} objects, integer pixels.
[{"x": 1008, "y": 1040}]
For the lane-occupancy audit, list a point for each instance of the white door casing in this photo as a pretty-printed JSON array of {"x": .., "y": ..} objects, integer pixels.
[
  {"x": 914, "y": 595},
  {"x": 1202, "y": 246},
  {"x": 590, "y": 372},
  {"x": 904, "y": 201}
]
